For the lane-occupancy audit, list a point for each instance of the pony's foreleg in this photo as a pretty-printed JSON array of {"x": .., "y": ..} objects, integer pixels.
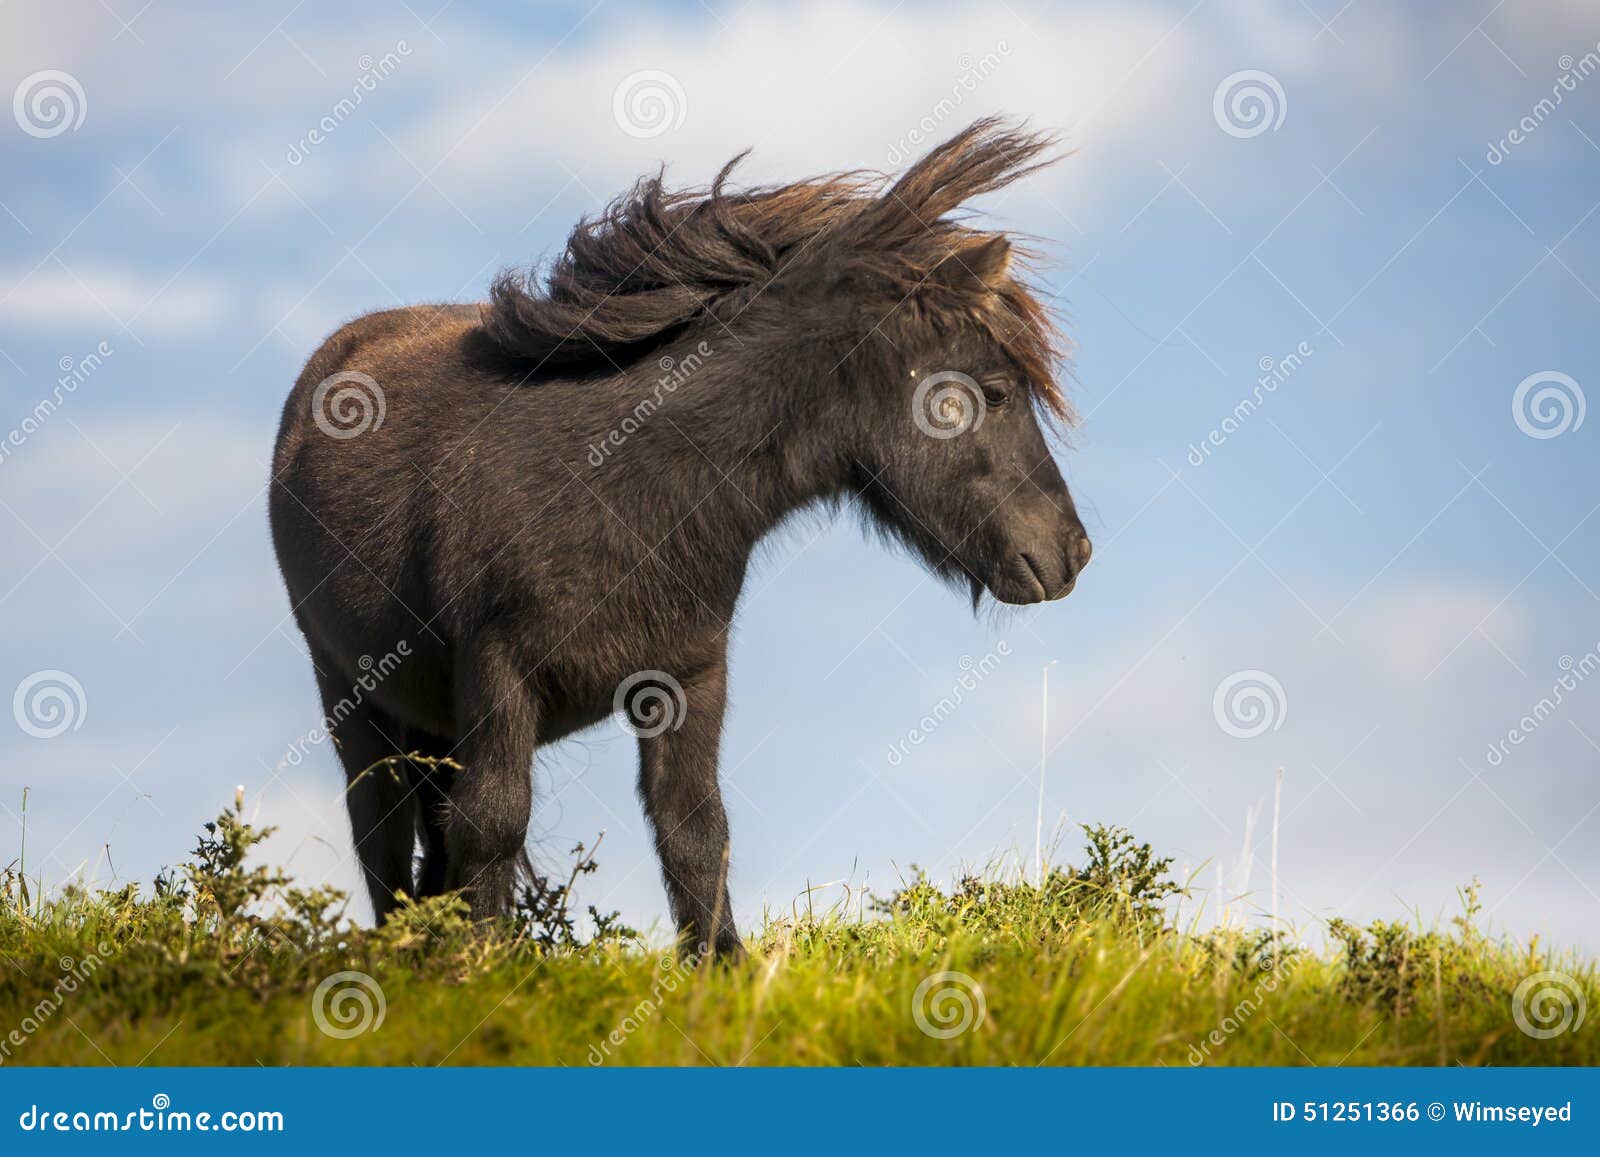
[{"x": 678, "y": 783}]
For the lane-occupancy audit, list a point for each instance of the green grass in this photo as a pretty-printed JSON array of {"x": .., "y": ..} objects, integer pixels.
[{"x": 221, "y": 963}]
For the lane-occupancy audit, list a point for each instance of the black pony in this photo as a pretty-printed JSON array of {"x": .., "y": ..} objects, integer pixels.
[{"x": 540, "y": 510}]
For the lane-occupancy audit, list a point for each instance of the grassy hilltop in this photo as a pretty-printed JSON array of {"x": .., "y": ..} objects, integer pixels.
[{"x": 225, "y": 962}]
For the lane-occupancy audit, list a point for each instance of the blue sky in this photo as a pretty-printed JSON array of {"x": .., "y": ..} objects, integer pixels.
[{"x": 1380, "y": 535}]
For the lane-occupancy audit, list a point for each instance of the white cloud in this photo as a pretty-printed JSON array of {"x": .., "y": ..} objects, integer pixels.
[
  {"x": 1390, "y": 659},
  {"x": 812, "y": 87},
  {"x": 1407, "y": 634},
  {"x": 129, "y": 485},
  {"x": 64, "y": 297}
]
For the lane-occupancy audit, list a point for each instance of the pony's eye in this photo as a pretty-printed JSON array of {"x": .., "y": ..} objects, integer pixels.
[{"x": 997, "y": 393}]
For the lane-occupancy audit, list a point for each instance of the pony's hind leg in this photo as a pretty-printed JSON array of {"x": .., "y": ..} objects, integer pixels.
[
  {"x": 491, "y": 797},
  {"x": 378, "y": 795},
  {"x": 431, "y": 781}
]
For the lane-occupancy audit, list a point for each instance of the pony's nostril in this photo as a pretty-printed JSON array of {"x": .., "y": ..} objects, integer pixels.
[{"x": 1079, "y": 551}]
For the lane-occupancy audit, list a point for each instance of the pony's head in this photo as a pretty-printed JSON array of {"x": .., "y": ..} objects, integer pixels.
[
  {"x": 951, "y": 376},
  {"x": 918, "y": 366},
  {"x": 951, "y": 455}
]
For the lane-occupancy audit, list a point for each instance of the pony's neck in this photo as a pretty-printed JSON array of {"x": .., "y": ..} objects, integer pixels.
[{"x": 752, "y": 448}]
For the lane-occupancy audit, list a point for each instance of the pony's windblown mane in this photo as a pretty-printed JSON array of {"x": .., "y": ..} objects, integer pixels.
[{"x": 655, "y": 261}]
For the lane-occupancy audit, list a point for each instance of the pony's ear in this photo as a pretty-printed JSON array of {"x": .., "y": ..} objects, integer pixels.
[{"x": 982, "y": 267}]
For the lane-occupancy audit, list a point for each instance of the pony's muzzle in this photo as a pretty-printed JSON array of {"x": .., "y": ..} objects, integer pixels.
[{"x": 1054, "y": 574}]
